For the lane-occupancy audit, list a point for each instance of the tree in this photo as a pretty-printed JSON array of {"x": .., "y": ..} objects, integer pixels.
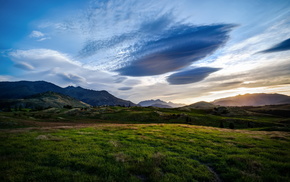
[
  {"x": 222, "y": 125},
  {"x": 232, "y": 126},
  {"x": 67, "y": 107}
]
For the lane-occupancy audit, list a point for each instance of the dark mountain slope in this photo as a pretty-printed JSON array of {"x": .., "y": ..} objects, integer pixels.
[
  {"x": 96, "y": 98},
  {"x": 22, "y": 89},
  {"x": 42, "y": 101}
]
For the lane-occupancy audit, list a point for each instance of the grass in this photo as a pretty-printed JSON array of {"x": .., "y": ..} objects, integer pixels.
[
  {"x": 143, "y": 144},
  {"x": 140, "y": 152},
  {"x": 139, "y": 115}
]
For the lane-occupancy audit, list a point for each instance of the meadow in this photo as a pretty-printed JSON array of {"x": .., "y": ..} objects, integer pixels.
[{"x": 141, "y": 144}]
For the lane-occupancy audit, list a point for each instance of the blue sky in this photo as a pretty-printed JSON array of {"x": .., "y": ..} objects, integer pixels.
[{"x": 181, "y": 51}]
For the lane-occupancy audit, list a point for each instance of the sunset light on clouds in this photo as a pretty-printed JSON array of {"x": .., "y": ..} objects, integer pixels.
[{"x": 181, "y": 51}]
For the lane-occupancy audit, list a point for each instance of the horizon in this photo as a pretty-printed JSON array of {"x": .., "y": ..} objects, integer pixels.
[
  {"x": 147, "y": 99},
  {"x": 135, "y": 50}
]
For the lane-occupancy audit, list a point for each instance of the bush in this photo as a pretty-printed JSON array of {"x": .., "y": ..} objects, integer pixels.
[
  {"x": 222, "y": 125},
  {"x": 67, "y": 107}
]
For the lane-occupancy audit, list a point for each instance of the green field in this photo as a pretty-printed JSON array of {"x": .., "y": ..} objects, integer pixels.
[
  {"x": 237, "y": 117},
  {"x": 141, "y": 144}
]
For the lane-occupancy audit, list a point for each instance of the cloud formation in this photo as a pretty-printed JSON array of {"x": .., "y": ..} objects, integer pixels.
[
  {"x": 190, "y": 76},
  {"x": 24, "y": 66},
  {"x": 71, "y": 78},
  {"x": 56, "y": 67},
  {"x": 125, "y": 88},
  {"x": 120, "y": 79},
  {"x": 177, "y": 48},
  {"x": 36, "y": 34},
  {"x": 42, "y": 59},
  {"x": 90, "y": 40},
  {"x": 283, "y": 46}
]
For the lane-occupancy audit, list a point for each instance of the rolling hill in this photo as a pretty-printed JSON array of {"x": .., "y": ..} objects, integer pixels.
[
  {"x": 201, "y": 105},
  {"x": 43, "y": 100},
  {"x": 259, "y": 99}
]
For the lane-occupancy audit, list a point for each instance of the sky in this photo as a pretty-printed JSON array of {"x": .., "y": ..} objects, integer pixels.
[{"x": 181, "y": 51}]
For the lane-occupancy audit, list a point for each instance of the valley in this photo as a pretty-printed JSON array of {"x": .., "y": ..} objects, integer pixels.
[
  {"x": 116, "y": 143},
  {"x": 50, "y": 136}
]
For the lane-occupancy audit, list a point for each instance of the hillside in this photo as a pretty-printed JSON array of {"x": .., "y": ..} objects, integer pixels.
[
  {"x": 202, "y": 105},
  {"x": 144, "y": 144},
  {"x": 159, "y": 103},
  {"x": 253, "y": 100},
  {"x": 43, "y": 100},
  {"x": 22, "y": 89}
]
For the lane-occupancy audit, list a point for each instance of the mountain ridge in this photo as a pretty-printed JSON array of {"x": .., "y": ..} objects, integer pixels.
[
  {"x": 159, "y": 103},
  {"x": 257, "y": 99},
  {"x": 22, "y": 89},
  {"x": 201, "y": 105}
]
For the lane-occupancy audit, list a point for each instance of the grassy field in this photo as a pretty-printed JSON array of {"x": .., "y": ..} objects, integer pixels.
[
  {"x": 153, "y": 152},
  {"x": 140, "y": 115},
  {"x": 142, "y": 144}
]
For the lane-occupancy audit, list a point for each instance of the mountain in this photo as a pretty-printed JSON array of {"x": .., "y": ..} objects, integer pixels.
[
  {"x": 43, "y": 100},
  {"x": 259, "y": 99},
  {"x": 159, "y": 103},
  {"x": 96, "y": 98},
  {"x": 22, "y": 89},
  {"x": 202, "y": 105}
]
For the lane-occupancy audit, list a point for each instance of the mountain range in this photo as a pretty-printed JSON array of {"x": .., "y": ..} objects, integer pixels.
[
  {"x": 159, "y": 103},
  {"x": 24, "y": 89},
  {"x": 26, "y": 92},
  {"x": 259, "y": 99}
]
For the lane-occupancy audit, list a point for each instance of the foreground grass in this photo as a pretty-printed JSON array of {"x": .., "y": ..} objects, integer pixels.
[{"x": 135, "y": 152}]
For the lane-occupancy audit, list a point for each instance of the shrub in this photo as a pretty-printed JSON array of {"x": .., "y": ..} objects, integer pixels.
[
  {"x": 67, "y": 107},
  {"x": 222, "y": 125}
]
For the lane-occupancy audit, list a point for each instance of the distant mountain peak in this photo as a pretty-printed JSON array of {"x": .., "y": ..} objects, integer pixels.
[{"x": 159, "y": 103}]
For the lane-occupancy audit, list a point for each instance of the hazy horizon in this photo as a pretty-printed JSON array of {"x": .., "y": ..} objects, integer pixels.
[{"x": 183, "y": 52}]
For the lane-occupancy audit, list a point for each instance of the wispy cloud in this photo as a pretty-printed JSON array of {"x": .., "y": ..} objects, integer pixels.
[
  {"x": 120, "y": 79},
  {"x": 43, "y": 58},
  {"x": 59, "y": 68},
  {"x": 39, "y": 36},
  {"x": 125, "y": 88},
  {"x": 283, "y": 46},
  {"x": 72, "y": 78},
  {"x": 24, "y": 65},
  {"x": 36, "y": 34}
]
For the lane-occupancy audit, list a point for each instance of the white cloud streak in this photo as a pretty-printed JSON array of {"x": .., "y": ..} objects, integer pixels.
[{"x": 36, "y": 34}]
